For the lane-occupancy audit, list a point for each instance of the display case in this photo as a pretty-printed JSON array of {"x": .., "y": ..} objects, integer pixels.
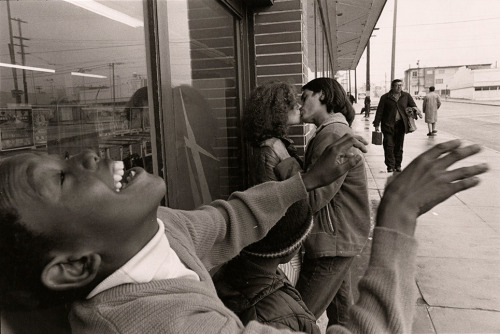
[{"x": 16, "y": 128}]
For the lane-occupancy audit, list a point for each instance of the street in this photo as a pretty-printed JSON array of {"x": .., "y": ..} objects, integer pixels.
[
  {"x": 458, "y": 263},
  {"x": 474, "y": 122}
]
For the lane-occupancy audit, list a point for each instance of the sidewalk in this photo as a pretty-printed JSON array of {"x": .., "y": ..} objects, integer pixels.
[{"x": 458, "y": 273}]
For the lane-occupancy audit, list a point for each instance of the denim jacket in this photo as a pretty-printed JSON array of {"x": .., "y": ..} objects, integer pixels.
[{"x": 341, "y": 210}]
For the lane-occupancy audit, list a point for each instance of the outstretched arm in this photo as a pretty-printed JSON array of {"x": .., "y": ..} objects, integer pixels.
[
  {"x": 387, "y": 291},
  {"x": 220, "y": 230}
]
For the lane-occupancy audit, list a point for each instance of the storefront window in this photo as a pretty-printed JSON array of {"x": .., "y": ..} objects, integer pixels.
[
  {"x": 73, "y": 76},
  {"x": 206, "y": 113},
  {"x": 317, "y": 51}
]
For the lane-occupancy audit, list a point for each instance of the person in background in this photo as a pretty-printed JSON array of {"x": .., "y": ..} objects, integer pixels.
[
  {"x": 352, "y": 99},
  {"x": 271, "y": 109},
  {"x": 391, "y": 116},
  {"x": 341, "y": 209},
  {"x": 367, "y": 106},
  {"x": 432, "y": 102},
  {"x": 127, "y": 265}
]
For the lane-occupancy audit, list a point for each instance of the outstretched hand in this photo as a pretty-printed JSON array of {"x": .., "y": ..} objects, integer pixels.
[
  {"x": 425, "y": 183},
  {"x": 334, "y": 162}
]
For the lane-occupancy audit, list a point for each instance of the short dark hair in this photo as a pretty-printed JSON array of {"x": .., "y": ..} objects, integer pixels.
[
  {"x": 23, "y": 256},
  {"x": 22, "y": 259},
  {"x": 432, "y": 88},
  {"x": 266, "y": 112},
  {"x": 395, "y": 81},
  {"x": 335, "y": 97}
]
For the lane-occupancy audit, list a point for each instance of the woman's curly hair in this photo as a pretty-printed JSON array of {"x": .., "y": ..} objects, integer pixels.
[{"x": 266, "y": 112}]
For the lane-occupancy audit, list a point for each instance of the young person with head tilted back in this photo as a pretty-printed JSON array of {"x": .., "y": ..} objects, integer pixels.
[{"x": 129, "y": 266}]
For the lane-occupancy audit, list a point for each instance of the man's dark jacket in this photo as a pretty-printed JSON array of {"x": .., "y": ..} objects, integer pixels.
[
  {"x": 387, "y": 109},
  {"x": 256, "y": 294}
]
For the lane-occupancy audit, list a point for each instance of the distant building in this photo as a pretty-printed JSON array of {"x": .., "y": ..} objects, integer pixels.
[
  {"x": 475, "y": 84},
  {"x": 419, "y": 79}
]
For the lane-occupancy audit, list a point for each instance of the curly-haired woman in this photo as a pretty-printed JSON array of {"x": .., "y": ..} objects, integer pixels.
[
  {"x": 271, "y": 109},
  {"x": 251, "y": 285}
]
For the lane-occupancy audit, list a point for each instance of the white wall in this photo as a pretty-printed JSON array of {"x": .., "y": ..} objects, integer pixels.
[{"x": 462, "y": 93}]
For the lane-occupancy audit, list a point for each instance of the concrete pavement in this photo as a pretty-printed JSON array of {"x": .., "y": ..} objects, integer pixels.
[{"x": 458, "y": 274}]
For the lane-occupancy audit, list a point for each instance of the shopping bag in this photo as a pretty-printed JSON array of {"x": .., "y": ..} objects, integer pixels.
[{"x": 377, "y": 138}]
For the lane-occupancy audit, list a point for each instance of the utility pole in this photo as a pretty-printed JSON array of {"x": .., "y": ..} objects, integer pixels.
[
  {"x": 368, "y": 68},
  {"x": 368, "y": 64},
  {"x": 356, "y": 85},
  {"x": 349, "y": 81},
  {"x": 23, "y": 58},
  {"x": 393, "y": 58},
  {"x": 15, "y": 92},
  {"x": 418, "y": 76}
]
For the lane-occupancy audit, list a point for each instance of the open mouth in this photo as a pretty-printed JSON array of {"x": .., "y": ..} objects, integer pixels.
[{"x": 121, "y": 177}]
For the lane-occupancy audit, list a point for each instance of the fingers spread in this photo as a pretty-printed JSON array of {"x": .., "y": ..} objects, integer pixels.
[
  {"x": 446, "y": 192},
  {"x": 465, "y": 173},
  {"x": 441, "y": 148},
  {"x": 459, "y": 154}
]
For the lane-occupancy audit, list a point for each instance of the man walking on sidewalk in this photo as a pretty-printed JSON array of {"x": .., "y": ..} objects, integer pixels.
[
  {"x": 432, "y": 102},
  {"x": 391, "y": 113}
]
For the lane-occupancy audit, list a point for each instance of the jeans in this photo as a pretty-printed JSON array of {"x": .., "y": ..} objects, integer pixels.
[
  {"x": 325, "y": 284},
  {"x": 393, "y": 145}
]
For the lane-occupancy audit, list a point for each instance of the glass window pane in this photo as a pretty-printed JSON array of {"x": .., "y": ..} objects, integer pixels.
[
  {"x": 68, "y": 71},
  {"x": 202, "y": 37}
]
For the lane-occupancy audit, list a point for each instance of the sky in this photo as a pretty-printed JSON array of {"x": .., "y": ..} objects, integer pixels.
[{"x": 434, "y": 33}]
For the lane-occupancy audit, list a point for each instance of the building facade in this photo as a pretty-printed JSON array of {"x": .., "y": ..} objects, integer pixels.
[
  {"x": 418, "y": 80},
  {"x": 476, "y": 84}
]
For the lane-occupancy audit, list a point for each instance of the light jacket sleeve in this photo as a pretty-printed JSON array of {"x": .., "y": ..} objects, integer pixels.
[
  {"x": 387, "y": 291},
  {"x": 219, "y": 231}
]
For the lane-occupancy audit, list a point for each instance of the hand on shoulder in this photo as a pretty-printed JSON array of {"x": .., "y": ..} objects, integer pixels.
[{"x": 327, "y": 168}]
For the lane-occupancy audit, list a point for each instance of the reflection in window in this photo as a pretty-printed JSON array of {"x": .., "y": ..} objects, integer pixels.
[
  {"x": 205, "y": 100},
  {"x": 318, "y": 64},
  {"x": 68, "y": 70}
]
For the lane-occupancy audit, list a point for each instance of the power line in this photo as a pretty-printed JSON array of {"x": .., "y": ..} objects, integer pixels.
[{"x": 442, "y": 23}]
